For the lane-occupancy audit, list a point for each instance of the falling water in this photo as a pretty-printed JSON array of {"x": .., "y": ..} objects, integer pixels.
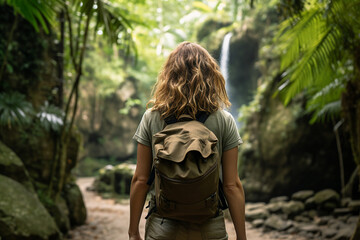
[
  {"x": 224, "y": 61},
  {"x": 224, "y": 58}
]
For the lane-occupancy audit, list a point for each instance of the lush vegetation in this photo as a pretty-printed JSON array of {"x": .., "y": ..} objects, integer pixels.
[{"x": 100, "y": 45}]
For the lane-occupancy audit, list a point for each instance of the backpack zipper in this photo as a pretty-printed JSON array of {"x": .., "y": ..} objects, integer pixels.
[{"x": 187, "y": 181}]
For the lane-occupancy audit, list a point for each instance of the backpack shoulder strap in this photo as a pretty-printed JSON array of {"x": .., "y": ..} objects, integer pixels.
[{"x": 200, "y": 116}]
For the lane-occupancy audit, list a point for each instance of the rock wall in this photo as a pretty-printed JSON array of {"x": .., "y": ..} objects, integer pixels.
[
  {"x": 27, "y": 151},
  {"x": 107, "y": 132},
  {"x": 283, "y": 153}
]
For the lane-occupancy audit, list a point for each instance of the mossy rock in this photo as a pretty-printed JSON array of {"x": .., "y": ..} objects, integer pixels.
[
  {"x": 115, "y": 179},
  {"x": 12, "y": 167},
  {"x": 22, "y": 216},
  {"x": 75, "y": 203}
]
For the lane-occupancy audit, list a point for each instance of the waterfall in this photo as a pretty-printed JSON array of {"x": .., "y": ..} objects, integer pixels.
[
  {"x": 224, "y": 61},
  {"x": 224, "y": 58}
]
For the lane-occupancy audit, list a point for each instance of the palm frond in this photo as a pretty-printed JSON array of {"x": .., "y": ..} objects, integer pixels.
[
  {"x": 295, "y": 34},
  {"x": 50, "y": 117},
  {"x": 116, "y": 25},
  {"x": 14, "y": 110},
  {"x": 37, "y": 12},
  {"x": 315, "y": 65},
  {"x": 329, "y": 110}
]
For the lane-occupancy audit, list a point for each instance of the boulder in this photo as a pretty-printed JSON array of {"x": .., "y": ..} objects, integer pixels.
[
  {"x": 259, "y": 213},
  {"x": 310, "y": 203},
  {"x": 302, "y": 195},
  {"x": 309, "y": 228},
  {"x": 115, "y": 179},
  {"x": 123, "y": 174},
  {"x": 274, "y": 207},
  {"x": 60, "y": 212},
  {"x": 326, "y": 196},
  {"x": 328, "y": 232},
  {"x": 22, "y": 216},
  {"x": 275, "y": 222},
  {"x": 293, "y": 208},
  {"x": 279, "y": 199},
  {"x": 12, "y": 167},
  {"x": 344, "y": 233},
  {"x": 252, "y": 206},
  {"x": 354, "y": 205},
  {"x": 257, "y": 223},
  {"x": 75, "y": 204}
]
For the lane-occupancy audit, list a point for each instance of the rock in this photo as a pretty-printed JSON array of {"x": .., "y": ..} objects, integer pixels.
[
  {"x": 115, "y": 179},
  {"x": 344, "y": 233},
  {"x": 252, "y": 206},
  {"x": 336, "y": 224},
  {"x": 257, "y": 223},
  {"x": 12, "y": 167},
  {"x": 354, "y": 205},
  {"x": 274, "y": 207},
  {"x": 310, "y": 203},
  {"x": 75, "y": 203},
  {"x": 293, "y": 208},
  {"x": 302, "y": 195},
  {"x": 328, "y": 232},
  {"x": 327, "y": 198},
  {"x": 300, "y": 218},
  {"x": 258, "y": 213},
  {"x": 324, "y": 220},
  {"x": 279, "y": 199},
  {"x": 342, "y": 211},
  {"x": 60, "y": 212},
  {"x": 309, "y": 228},
  {"x": 275, "y": 222},
  {"x": 310, "y": 214},
  {"x": 352, "y": 220},
  {"x": 123, "y": 174},
  {"x": 22, "y": 216},
  {"x": 345, "y": 202}
]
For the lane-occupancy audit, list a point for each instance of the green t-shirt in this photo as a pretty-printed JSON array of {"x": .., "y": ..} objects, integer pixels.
[{"x": 221, "y": 123}]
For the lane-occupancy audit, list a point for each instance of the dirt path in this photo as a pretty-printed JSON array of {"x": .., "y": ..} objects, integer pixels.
[{"x": 108, "y": 220}]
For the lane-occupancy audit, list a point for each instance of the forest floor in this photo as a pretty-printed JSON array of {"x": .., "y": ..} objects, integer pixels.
[{"x": 109, "y": 220}]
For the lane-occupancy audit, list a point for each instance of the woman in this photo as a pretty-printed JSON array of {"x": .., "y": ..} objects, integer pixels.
[{"x": 190, "y": 82}]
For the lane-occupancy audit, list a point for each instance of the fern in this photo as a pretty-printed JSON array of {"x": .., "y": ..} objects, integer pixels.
[
  {"x": 50, "y": 117},
  {"x": 15, "y": 110}
]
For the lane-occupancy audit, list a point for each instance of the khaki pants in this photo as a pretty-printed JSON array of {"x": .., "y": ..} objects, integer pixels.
[{"x": 158, "y": 228}]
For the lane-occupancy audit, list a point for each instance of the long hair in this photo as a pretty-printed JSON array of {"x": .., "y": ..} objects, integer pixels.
[{"x": 190, "y": 81}]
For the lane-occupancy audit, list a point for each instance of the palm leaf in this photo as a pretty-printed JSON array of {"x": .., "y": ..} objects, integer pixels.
[
  {"x": 50, "y": 117},
  {"x": 36, "y": 12},
  {"x": 14, "y": 110}
]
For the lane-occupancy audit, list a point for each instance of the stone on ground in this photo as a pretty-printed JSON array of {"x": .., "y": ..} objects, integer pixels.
[{"x": 23, "y": 217}]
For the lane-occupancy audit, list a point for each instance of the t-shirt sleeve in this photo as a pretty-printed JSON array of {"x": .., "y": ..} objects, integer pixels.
[
  {"x": 142, "y": 134},
  {"x": 231, "y": 134}
]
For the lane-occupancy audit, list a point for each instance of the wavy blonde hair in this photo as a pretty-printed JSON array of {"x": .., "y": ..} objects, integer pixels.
[{"x": 190, "y": 81}]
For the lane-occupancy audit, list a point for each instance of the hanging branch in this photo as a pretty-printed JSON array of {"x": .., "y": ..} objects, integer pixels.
[{"x": 75, "y": 90}]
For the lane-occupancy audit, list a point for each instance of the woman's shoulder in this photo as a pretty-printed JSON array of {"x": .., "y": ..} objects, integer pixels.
[
  {"x": 222, "y": 115},
  {"x": 151, "y": 115}
]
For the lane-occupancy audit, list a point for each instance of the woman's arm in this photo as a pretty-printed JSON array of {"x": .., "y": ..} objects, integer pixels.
[
  {"x": 139, "y": 189},
  {"x": 234, "y": 191}
]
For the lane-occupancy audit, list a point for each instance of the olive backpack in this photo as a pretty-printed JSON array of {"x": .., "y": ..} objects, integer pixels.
[{"x": 185, "y": 170}]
